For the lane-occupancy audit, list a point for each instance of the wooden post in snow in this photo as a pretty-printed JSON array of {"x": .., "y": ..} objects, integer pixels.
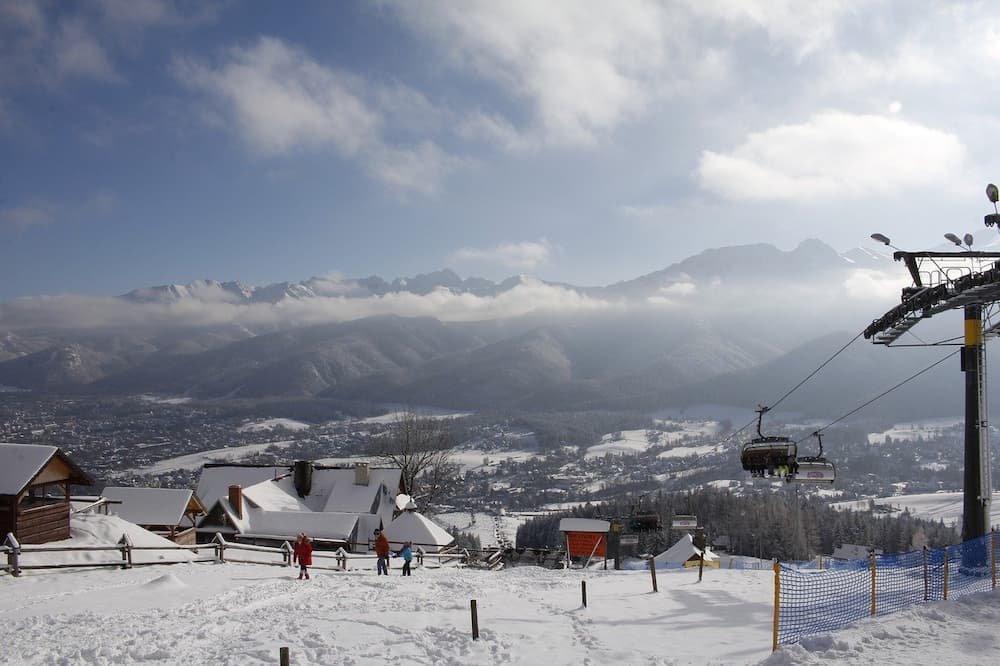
[
  {"x": 475, "y": 620},
  {"x": 283, "y": 657},
  {"x": 652, "y": 571},
  {"x": 583, "y": 590}
]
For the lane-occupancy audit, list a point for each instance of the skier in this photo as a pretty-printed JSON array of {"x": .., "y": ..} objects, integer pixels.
[{"x": 302, "y": 553}]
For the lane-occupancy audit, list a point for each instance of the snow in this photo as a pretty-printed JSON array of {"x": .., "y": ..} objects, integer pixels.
[
  {"x": 930, "y": 506},
  {"x": 917, "y": 429},
  {"x": 21, "y": 464},
  {"x": 271, "y": 424},
  {"x": 149, "y": 506},
  {"x": 631, "y": 442},
  {"x": 192, "y": 613},
  {"x": 198, "y": 460}
]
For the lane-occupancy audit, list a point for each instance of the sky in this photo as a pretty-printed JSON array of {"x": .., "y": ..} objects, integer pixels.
[
  {"x": 191, "y": 612},
  {"x": 150, "y": 142}
]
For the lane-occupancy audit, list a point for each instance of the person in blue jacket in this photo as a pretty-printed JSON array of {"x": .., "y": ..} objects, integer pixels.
[{"x": 406, "y": 552}]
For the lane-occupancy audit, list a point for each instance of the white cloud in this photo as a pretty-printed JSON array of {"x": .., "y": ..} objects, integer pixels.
[
  {"x": 803, "y": 27},
  {"x": 584, "y": 67},
  {"x": 282, "y": 101},
  {"x": 526, "y": 255},
  {"x": 835, "y": 154},
  {"x": 78, "y": 52}
]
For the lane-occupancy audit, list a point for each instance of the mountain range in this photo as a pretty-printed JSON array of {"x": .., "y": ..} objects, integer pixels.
[{"x": 731, "y": 325}]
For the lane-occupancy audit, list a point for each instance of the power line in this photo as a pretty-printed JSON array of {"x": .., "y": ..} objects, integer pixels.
[{"x": 880, "y": 395}]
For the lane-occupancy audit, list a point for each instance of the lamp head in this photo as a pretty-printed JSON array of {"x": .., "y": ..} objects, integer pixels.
[
  {"x": 881, "y": 238},
  {"x": 968, "y": 240},
  {"x": 993, "y": 193},
  {"x": 954, "y": 239}
]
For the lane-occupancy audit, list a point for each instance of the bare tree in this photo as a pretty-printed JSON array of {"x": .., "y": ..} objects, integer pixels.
[{"x": 421, "y": 448}]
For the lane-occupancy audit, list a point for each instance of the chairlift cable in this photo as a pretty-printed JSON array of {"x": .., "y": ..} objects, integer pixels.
[
  {"x": 794, "y": 388},
  {"x": 814, "y": 372},
  {"x": 880, "y": 395}
]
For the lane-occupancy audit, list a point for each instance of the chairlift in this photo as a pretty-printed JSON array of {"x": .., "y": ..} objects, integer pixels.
[
  {"x": 815, "y": 469},
  {"x": 769, "y": 456}
]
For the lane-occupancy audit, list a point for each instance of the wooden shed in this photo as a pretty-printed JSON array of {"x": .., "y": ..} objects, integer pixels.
[
  {"x": 170, "y": 512},
  {"x": 35, "y": 485}
]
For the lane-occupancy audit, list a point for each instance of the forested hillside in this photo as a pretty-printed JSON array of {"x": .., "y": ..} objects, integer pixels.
[{"x": 783, "y": 525}]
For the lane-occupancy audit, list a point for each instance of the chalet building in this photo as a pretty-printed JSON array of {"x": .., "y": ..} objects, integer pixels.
[
  {"x": 35, "y": 486},
  {"x": 169, "y": 512},
  {"x": 338, "y": 507}
]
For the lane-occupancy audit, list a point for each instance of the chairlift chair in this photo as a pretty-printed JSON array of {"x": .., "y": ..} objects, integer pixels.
[
  {"x": 815, "y": 469},
  {"x": 766, "y": 456}
]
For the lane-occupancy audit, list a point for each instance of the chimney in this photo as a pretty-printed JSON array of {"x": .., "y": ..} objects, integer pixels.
[
  {"x": 303, "y": 477},
  {"x": 236, "y": 500},
  {"x": 361, "y": 475}
]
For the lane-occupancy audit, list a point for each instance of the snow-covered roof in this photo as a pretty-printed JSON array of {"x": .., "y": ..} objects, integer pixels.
[
  {"x": 21, "y": 463},
  {"x": 215, "y": 480},
  {"x": 418, "y": 529},
  {"x": 682, "y": 551},
  {"x": 149, "y": 506},
  {"x": 326, "y": 525},
  {"x": 583, "y": 525}
]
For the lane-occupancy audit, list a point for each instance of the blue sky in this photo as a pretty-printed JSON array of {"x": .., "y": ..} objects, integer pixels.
[{"x": 148, "y": 142}]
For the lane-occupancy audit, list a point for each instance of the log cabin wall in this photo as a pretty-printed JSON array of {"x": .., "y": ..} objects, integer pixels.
[{"x": 43, "y": 523}]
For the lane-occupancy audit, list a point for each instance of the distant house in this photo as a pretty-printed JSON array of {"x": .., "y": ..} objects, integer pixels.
[
  {"x": 336, "y": 506},
  {"x": 35, "y": 485},
  {"x": 172, "y": 513},
  {"x": 685, "y": 553}
]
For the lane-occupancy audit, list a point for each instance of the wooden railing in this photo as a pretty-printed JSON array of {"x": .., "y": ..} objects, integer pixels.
[{"x": 222, "y": 551}]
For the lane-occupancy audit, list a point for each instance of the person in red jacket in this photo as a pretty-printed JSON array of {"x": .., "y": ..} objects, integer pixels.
[
  {"x": 382, "y": 551},
  {"x": 302, "y": 553}
]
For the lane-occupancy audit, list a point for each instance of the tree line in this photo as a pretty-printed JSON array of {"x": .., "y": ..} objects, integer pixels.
[{"x": 781, "y": 525}]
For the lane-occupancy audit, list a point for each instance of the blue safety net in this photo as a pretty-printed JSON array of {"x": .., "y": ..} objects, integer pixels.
[{"x": 815, "y": 601}]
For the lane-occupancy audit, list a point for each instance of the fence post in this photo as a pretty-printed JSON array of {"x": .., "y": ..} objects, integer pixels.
[
  {"x": 926, "y": 579},
  {"x": 652, "y": 571},
  {"x": 286, "y": 553},
  {"x": 475, "y": 619},
  {"x": 874, "y": 598},
  {"x": 283, "y": 658},
  {"x": 13, "y": 554},
  {"x": 583, "y": 590},
  {"x": 220, "y": 547},
  {"x": 946, "y": 573},
  {"x": 342, "y": 559},
  {"x": 126, "y": 547},
  {"x": 777, "y": 604}
]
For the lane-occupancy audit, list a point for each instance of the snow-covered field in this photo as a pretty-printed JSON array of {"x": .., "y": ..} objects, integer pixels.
[
  {"x": 198, "y": 460},
  {"x": 205, "y": 612},
  {"x": 917, "y": 430},
  {"x": 270, "y": 424},
  {"x": 631, "y": 442},
  {"x": 930, "y": 506}
]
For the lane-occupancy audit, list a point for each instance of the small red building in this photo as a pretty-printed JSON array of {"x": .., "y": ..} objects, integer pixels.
[{"x": 35, "y": 485}]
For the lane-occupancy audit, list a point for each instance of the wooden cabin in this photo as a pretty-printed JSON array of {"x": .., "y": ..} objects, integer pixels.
[
  {"x": 35, "y": 486},
  {"x": 169, "y": 512}
]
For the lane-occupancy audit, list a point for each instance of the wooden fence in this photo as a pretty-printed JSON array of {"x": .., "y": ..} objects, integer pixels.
[{"x": 19, "y": 557}]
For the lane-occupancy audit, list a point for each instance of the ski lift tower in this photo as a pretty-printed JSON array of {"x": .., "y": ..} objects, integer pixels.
[{"x": 945, "y": 281}]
